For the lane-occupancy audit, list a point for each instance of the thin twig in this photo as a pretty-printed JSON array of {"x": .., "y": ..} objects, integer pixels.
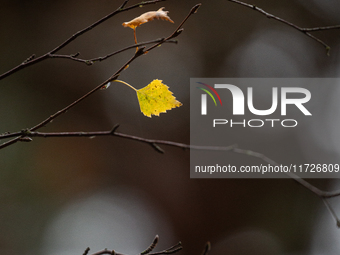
[
  {"x": 152, "y": 246},
  {"x": 34, "y": 60},
  {"x": 99, "y": 59},
  {"x": 330, "y": 209},
  {"x": 86, "y": 251},
  {"x": 131, "y": 47},
  {"x": 306, "y": 31},
  {"x": 155, "y": 144},
  {"x": 314, "y": 29},
  {"x": 152, "y": 142},
  {"x": 179, "y": 29},
  {"x": 173, "y": 249},
  {"x": 307, "y": 185},
  {"x": 105, "y": 251}
]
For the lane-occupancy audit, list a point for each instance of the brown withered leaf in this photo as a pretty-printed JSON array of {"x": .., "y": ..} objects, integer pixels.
[{"x": 148, "y": 16}]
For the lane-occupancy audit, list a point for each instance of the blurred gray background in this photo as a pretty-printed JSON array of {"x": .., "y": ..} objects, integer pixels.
[{"x": 61, "y": 195}]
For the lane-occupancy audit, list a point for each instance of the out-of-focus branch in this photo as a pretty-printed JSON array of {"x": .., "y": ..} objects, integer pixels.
[
  {"x": 207, "y": 248},
  {"x": 312, "y": 188},
  {"x": 155, "y": 142},
  {"x": 26, "y": 135},
  {"x": 324, "y": 195},
  {"x": 34, "y": 60},
  {"x": 306, "y": 31}
]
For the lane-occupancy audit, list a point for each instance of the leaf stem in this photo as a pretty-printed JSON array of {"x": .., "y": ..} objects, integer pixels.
[
  {"x": 135, "y": 36},
  {"x": 127, "y": 84}
]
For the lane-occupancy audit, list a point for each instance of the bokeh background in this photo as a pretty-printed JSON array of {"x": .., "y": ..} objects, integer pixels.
[{"x": 61, "y": 195}]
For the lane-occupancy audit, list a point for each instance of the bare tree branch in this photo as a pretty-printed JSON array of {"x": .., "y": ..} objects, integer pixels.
[
  {"x": 179, "y": 28},
  {"x": 155, "y": 144},
  {"x": 152, "y": 246},
  {"x": 141, "y": 51},
  {"x": 105, "y": 252},
  {"x": 33, "y": 60},
  {"x": 86, "y": 251},
  {"x": 314, "y": 29},
  {"x": 324, "y": 195},
  {"x": 306, "y": 31},
  {"x": 331, "y": 210},
  {"x": 173, "y": 249},
  {"x": 99, "y": 59}
]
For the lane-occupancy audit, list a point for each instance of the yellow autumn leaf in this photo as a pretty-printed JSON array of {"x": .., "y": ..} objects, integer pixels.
[
  {"x": 148, "y": 16},
  {"x": 156, "y": 98}
]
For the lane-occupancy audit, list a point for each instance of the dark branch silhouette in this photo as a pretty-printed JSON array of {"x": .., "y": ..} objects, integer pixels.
[
  {"x": 173, "y": 249},
  {"x": 324, "y": 195},
  {"x": 306, "y": 31},
  {"x": 34, "y": 60},
  {"x": 99, "y": 59}
]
